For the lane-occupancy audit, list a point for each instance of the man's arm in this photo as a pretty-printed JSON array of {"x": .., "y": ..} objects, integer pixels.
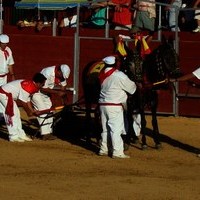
[
  {"x": 11, "y": 72},
  {"x": 186, "y": 77}
]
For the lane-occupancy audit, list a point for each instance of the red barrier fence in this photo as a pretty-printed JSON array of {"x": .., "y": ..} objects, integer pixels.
[{"x": 32, "y": 51}]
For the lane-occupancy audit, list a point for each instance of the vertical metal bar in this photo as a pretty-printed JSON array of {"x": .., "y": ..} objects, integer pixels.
[
  {"x": 159, "y": 23},
  {"x": 1, "y": 16},
  {"x": 76, "y": 59},
  {"x": 176, "y": 46},
  {"x": 107, "y": 23},
  {"x": 54, "y": 26}
]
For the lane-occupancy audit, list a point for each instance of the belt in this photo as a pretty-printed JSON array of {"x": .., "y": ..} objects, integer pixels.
[
  {"x": 110, "y": 104},
  {"x": 3, "y": 75}
]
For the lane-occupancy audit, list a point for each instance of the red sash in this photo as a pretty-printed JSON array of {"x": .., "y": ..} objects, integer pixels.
[
  {"x": 103, "y": 75},
  {"x": 9, "y": 107}
]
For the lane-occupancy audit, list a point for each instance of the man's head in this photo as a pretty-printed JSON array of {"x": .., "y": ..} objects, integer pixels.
[
  {"x": 39, "y": 79},
  {"x": 62, "y": 72},
  {"x": 4, "y": 40},
  {"x": 109, "y": 61}
]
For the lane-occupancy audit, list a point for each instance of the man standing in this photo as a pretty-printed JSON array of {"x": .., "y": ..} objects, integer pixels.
[
  {"x": 145, "y": 16},
  {"x": 122, "y": 16},
  {"x": 186, "y": 77},
  {"x": 20, "y": 90},
  {"x": 174, "y": 7},
  {"x": 6, "y": 60},
  {"x": 197, "y": 15},
  {"x": 113, "y": 96},
  {"x": 56, "y": 77}
]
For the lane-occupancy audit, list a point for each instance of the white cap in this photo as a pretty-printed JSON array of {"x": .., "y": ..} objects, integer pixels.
[
  {"x": 109, "y": 60},
  {"x": 4, "y": 38},
  {"x": 65, "y": 71}
]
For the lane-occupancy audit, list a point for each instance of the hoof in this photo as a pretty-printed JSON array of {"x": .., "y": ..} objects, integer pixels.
[
  {"x": 126, "y": 147},
  {"x": 136, "y": 141},
  {"x": 158, "y": 146},
  {"x": 144, "y": 147}
]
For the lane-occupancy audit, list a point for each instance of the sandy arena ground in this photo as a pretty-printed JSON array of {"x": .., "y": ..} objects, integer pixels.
[{"x": 69, "y": 169}]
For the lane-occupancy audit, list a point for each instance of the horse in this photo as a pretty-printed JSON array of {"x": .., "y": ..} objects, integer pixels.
[{"x": 150, "y": 75}]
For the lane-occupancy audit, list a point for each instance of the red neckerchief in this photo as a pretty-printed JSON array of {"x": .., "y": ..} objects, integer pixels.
[
  {"x": 9, "y": 107},
  {"x": 103, "y": 75},
  {"x": 29, "y": 86},
  {"x": 6, "y": 54},
  {"x": 56, "y": 80}
]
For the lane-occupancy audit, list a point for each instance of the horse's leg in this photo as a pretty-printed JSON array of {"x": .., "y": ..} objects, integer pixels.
[
  {"x": 143, "y": 128},
  {"x": 154, "y": 106},
  {"x": 128, "y": 115},
  {"x": 98, "y": 125},
  {"x": 88, "y": 123}
]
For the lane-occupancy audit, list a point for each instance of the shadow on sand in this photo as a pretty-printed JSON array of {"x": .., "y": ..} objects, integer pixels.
[{"x": 71, "y": 126}]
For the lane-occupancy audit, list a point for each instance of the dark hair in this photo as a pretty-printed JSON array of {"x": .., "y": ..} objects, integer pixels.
[{"x": 39, "y": 78}]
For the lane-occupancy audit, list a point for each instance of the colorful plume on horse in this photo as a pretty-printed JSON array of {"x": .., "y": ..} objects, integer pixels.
[
  {"x": 145, "y": 50},
  {"x": 120, "y": 46}
]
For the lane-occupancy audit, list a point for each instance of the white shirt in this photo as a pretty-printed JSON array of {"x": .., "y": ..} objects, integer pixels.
[
  {"x": 114, "y": 88},
  {"x": 67, "y": 22},
  {"x": 16, "y": 90},
  {"x": 197, "y": 73},
  {"x": 5, "y": 62},
  {"x": 49, "y": 73}
]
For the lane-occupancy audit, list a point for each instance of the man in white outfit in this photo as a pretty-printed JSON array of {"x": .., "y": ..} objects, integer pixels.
[
  {"x": 195, "y": 73},
  {"x": 20, "y": 90},
  {"x": 56, "y": 77},
  {"x": 6, "y": 63},
  {"x": 6, "y": 60},
  {"x": 113, "y": 96}
]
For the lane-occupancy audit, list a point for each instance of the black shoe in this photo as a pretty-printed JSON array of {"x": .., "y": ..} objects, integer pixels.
[{"x": 48, "y": 137}]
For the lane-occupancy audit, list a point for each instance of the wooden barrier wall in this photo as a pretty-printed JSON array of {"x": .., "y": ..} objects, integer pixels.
[{"x": 32, "y": 51}]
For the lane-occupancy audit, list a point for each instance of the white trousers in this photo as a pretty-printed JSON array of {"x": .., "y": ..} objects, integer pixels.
[
  {"x": 42, "y": 102},
  {"x": 3, "y": 80},
  {"x": 15, "y": 130},
  {"x": 112, "y": 118}
]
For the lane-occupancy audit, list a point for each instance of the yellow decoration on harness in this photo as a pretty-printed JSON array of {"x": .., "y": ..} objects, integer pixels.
[
  {"x": 121, "y": 49},
  {"x": 97, "y": 67}
]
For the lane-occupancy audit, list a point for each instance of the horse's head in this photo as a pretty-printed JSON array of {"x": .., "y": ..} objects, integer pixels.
[
  {"x": 131, "y": 61},
  {"x": 162, "y": 63}
]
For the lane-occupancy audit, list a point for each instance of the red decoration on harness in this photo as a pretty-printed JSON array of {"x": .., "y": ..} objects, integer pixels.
[
  {"x": 29, "y": 86},
  {"x": 145, "y": 48},
  {"x": 103, "y": 75}
]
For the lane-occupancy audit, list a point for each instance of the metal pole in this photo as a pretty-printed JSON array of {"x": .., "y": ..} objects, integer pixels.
[
  {"x": 176, "y": 46},
  {"x": 1, "y": 16},
  {"x": 76, "y": 58},
  {"x": 107, "y": 23},
  {"x": 159, "y": 23},
  {"x": 54, "y": 27}
]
